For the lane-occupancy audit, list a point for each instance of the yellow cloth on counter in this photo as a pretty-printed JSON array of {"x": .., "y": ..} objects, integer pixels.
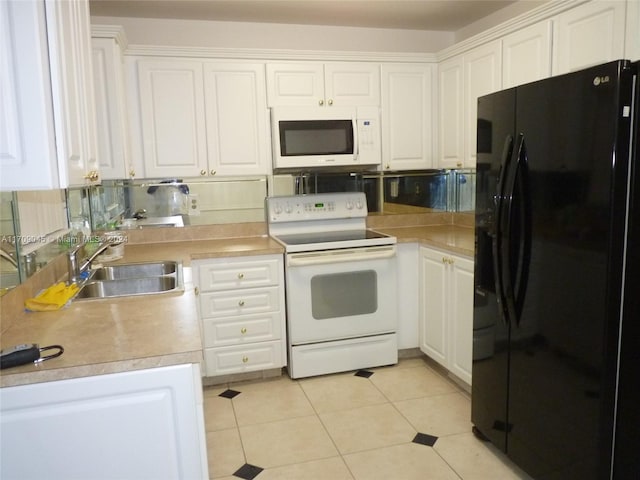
[{"x": 52, "y": 298}]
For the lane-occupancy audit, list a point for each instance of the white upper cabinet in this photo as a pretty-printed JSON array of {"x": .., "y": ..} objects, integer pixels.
[
  {"x": 588, "y": 35},
  {"x": 111, "y": 118},
  {"x": 47, "y": 134},
  {"x": 202, "y": 118},
  {"x": 407, "y": 111},
  {"x": 632, "y": 42},
  {"x": 451, "y": 113},
  {"x": 526, "y": 55},
  {"x": 482, "y": 75},
  {"x": 463, "y": 79},
  {"x": 172, "y": 116},
  {"x": 237, "y": 119},
  {"x": 69, "y": 36},
  {"x": 27, "y": 137},
  {"x": 323, "y": 84}
]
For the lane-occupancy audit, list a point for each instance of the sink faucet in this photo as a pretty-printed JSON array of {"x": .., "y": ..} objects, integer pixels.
[
  {"x": 77, "y": 266},
  {"x": 7, "y": 256}
]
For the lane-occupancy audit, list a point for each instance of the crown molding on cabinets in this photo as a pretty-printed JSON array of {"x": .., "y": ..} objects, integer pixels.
[
  {"x": 266, "y": 54},
  {"x": 111, "y": 31},
  {"x": 543, "y": 12}
]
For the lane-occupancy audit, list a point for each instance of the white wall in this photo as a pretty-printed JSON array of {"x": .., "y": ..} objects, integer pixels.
[
  {"x": 212, "y": 34},
  {"x": 497, "y": 18}
]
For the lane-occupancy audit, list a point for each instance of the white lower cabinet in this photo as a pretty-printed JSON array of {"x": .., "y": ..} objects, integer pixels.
[
  {"x": 446, "y": 310},
  {"x": 242, "y": 313},
  {"x": 143, "y": 424}
]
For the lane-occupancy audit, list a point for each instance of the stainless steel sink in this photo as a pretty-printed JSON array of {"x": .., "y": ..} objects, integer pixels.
[
  {"x": 133, "y": 279},
  {"x": 134, "y": 270}
]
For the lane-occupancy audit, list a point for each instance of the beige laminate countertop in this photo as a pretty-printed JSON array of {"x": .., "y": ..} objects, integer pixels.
[
  {"x": 131, "y": 333},
  {"x": 453, "y": 238},
  {"x": 127, "y": 333}
]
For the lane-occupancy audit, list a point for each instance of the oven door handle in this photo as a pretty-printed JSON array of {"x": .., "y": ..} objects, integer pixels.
[{"x": 340, "y": 256}]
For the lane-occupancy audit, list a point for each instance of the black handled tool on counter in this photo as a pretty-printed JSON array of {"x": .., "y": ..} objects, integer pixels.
[{"x": 27, "y": 353}]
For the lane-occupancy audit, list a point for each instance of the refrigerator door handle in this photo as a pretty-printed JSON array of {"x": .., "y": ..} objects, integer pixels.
[
  {"x": 497, "y": 242},
  {"x": 516, "y": 252}
]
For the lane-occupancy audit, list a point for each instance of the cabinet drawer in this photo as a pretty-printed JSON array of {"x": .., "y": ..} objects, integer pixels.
[
  {"x": 241, "y": 330},
  {"x": 243, "y": 358},
  {"x": 259, "y": 272},
  {"x": 239, "y": 302}
]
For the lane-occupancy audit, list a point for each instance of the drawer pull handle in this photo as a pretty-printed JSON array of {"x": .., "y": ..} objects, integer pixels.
[
  {"x": 240, "y": 276},
  {"x": 245, "y": 359},
  {"x": 243, "y": 330},
  {"x": 241, "y": 303}
]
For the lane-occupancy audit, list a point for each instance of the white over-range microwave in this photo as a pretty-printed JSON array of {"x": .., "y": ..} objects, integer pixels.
[{"x": 320, "y": 137}]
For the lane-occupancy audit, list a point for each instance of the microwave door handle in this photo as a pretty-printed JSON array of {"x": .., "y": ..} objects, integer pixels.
[{"x": 356, "y": 143}]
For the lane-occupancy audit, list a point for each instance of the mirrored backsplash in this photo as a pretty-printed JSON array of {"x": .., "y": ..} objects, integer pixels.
[
  {"x": 33, "y": 225},
  {"x": 183, "y": 202}
]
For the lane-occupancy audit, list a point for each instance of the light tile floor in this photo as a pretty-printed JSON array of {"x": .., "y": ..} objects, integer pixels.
[{"x": 344, "y": 426}]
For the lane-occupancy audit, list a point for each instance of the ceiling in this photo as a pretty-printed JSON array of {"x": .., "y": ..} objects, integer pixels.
[{"x": 446, "y": 15}]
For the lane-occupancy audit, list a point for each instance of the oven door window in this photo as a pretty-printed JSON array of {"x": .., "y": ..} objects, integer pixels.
[
  {"x": 344, "y": 294},
  {"x": 316, "y": 137}
]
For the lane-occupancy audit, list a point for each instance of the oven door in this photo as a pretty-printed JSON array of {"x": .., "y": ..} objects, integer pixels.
[{"x": 338, "y": 294}]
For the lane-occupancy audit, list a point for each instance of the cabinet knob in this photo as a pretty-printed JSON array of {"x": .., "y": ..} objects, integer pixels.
[
  {"x": 241, "y": 303},
  {"x": 459, "y": 164},
  {"x": 245, "y": 359},
  {"x": 203, "y": 172},
  {"x": 387, "y": 166},
  {"x": 197, "y": 291},
  {"x": 132, "y": 173},
  {"x": 92, "y": 176},
  {"x": 213, "y": 172},
  {"x": 321, "y": 102},
  {"x": 240, "y": 276},
  {"x": 243, "y": 330},
  {"x": 330, "y": 101}
]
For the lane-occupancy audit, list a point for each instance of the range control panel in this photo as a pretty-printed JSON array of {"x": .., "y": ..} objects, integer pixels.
[{"x": 318, "y": 206}]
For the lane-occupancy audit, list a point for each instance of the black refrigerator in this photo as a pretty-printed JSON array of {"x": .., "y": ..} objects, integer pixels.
[{"x": 556, "y": 362}]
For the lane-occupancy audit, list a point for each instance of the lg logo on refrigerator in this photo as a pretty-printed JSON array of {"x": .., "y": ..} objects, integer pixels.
[{"x": 597, "y": 81}]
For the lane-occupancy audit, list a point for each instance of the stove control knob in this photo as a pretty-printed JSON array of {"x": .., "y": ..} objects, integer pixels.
[
  {"x": 277, "y": 209},
  {"x": 349, "y": 205},
  {"x": 359, "y": 204},
  {"x": 288, "y": 208}
]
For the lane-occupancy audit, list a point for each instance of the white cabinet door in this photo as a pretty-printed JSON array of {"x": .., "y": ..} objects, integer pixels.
[
  {"x": 295, "y": 83},
  {"x": 27, "y": 136},
  {"x": 72, "y": 86},
  {"x": 111, "y": 119},
  {"x": 236, "y": 113},
  {"x": 446, "y": 309},
  {"x": 588, "y": 35},
  {"x": 172, "y": 113},
  {"x": 451, "y": 113},
  {"x": 632, "y": 42},
  {"x": 461, "y": 317},
  {"x": 526, "y": 55},
  {"x": 482, "y": 75},
  {"x": 433, "y": 305},
  {"x": 407, "y": 108},
  {"x": 138, "y": 424},
  {"x": 352, "y": 84},
  {"x": 318, "y": 84}
]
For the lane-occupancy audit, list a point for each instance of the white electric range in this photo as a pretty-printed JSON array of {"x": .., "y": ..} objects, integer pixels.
[{"x": 340, "y": 283}]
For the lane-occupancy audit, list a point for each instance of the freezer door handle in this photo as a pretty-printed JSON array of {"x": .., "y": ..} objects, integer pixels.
[
  {"x": 515, "y": 229},
  {"x": 497, "y": 241}
]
